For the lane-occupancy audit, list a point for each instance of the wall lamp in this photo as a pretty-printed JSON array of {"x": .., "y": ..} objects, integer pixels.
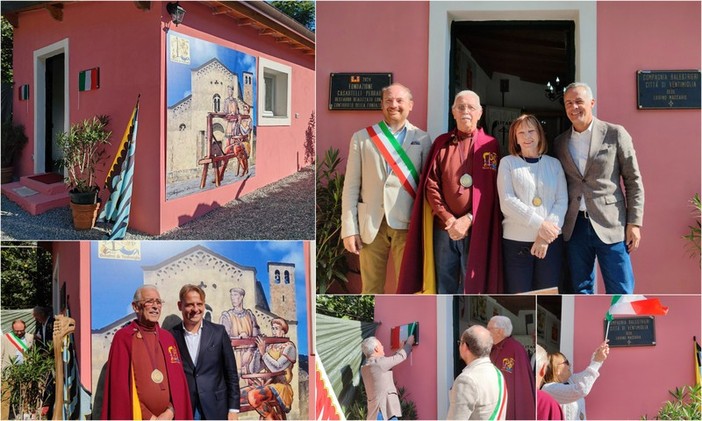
[{"x": 176, "y": 11}]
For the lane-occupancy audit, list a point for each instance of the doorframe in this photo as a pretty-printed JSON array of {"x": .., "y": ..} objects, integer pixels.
[
  {"x": 441, "y": 14},
  {"x": 40, "y": 56}
]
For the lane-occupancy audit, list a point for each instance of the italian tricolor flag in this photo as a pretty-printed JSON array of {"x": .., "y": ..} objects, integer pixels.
[
  {"x": 89, "y": 80},
  {"x": 399, "y": 334},
  {"x": 637, "y": 305},
  {"x": 24, "y": 92}
]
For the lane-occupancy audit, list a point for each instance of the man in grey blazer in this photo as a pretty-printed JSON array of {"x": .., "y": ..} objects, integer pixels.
[
  {"x": 208, "y": 360},
  {"x": 602, "y": 220},
  {"x": 383, "y": 400},
  {"x": 382, "y": 173}
]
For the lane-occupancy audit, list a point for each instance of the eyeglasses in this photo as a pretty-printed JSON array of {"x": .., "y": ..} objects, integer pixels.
[
  {"x": 153, "y": 302},
  {"x": 465, "y": 108}
]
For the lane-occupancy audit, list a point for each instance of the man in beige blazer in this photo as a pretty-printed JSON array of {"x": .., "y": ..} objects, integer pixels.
[
  {"x": 480, "y": 391},
  {"x": 383, "y": 400},
  {"x": 602, "y": 220},
  {"x": 382, "y": 173},
  {"x": 14, "y": 345}
]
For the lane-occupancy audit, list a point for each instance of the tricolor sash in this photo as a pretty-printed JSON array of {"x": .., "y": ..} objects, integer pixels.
[
  {"x": 396, "y": 157},
  {"x": 17, "y": 342},
  {"x": 499, "y": 412}
]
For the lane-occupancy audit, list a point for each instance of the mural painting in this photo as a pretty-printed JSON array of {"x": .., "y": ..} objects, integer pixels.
[
  {"x": 211, "y": 130},
  {"x": 256, "y": 290}
]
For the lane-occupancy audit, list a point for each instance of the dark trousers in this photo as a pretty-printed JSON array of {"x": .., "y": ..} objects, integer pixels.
[
  {"x": 450, "y": 260},
  {"x": 524, "y": 272}
]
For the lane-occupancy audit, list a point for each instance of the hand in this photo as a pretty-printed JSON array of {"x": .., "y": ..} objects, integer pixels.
[
  {"x": 410, "y": 340},
  {"x": 539, "y": 248},
  {"x": 549, "y": 231},
  {"x": 261, "y": 345},
  {"x": 458, "y": 230},
  {"x": 633, "y": 237},
  {"x": 233, "y": 416},
  {"x": 168, "y": 414},
  {"x": 602, "y": 352},
  {"x": 353, "y": 244}
]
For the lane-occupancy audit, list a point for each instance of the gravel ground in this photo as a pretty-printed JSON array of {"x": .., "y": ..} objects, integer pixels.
[{"x": 284, "y": 210}]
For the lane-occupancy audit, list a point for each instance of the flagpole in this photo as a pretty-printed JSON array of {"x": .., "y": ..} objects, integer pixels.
[{"x": 607, "y": 332}]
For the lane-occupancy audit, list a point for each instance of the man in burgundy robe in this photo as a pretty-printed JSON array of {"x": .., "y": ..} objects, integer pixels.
[
  {"x": 145, "y": 374},
  {"x": 512, "y": 359},
  {"x": 456, "y": 207}
]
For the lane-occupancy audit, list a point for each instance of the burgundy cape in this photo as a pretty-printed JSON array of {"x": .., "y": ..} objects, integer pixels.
[
  {"x": 484, "y": 268},
  {"x": 546, "y": 407},
  {"x": 513, "y": 361},
  {"x": 117, "y": 397}
]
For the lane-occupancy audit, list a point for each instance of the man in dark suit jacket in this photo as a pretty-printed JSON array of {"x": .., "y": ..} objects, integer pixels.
[
  {"x": 602, "y": 219},
  {"x": 44, "y": 332},
  {"x": 208, "y": 360}
]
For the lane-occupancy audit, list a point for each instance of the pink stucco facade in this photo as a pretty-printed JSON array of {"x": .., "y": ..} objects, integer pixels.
[
  {"x": 128, "y": 45},
  {"x": 418, "y": 373},
  {"x": 667, "y": 141},
  {"x": 369, "y": 38},
  {"x": 73, "y": 261},
  {"x": 634, "y": 381}
]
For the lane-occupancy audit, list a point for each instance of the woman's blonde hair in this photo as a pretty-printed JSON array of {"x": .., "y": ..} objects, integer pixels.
[{"x": 550, "y": 376}]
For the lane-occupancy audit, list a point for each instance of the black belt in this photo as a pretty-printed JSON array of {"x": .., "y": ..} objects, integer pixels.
[{"x": 584, "y": 214}]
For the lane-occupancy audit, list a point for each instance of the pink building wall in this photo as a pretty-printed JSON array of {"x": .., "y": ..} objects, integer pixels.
[
  {"x": 73, "y": 260},
  {"x": 635, "y": 381},
  {"x": 129, "y": 47},
  {"x": 369, "y": 37},
  {"x": 667, "y": 142},
  {"x": 418, "y": 373}
]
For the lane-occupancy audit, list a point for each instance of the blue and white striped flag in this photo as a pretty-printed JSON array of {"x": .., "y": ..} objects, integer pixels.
[
  {"x": 76, "y": 399},
  {"x": 119, "y": 181}
]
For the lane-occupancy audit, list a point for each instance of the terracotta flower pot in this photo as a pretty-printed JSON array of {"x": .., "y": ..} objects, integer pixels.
[{"x": 84, "y": 216}]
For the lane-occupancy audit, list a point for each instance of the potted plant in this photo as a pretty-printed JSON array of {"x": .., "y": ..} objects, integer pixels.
[
  {"x": 24, "y": 383},
  {"x": 83, "y": 147},
  {"x": 13, "y": 140},
  {"x": 332, "y": 265}
]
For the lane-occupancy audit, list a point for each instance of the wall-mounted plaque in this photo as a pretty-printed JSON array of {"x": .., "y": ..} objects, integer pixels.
[
  {"x": 668, "y": 89},
  {"x": 357, "y": 91},
  {"x": 631, "y": 331}
]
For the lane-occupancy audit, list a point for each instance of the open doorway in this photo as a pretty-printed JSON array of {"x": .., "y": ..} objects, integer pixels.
[
  {"x": 54, "y": 112},
  {"x": 509, "y": 63},
  {"x": 51, "y": 105}
]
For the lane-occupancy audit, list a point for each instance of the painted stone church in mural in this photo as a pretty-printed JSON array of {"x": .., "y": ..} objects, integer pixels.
[
  {"x": 213, "y": 86},
  {"x": 232, "y": 292}
]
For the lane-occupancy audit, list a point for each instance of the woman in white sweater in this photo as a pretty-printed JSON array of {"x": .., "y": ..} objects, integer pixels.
[{"x": 533, "y": 198}]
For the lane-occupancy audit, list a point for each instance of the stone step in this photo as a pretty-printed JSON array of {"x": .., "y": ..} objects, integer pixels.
[
  {"x": 33, "y": 201},
  {"x": 44, "y": 183}
]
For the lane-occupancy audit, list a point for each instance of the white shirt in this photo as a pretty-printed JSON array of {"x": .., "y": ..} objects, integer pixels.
[
  {"x": 192, "y": 341},
  {"x": 571, "y": 395},
  {"x": 579, "y": 148}
]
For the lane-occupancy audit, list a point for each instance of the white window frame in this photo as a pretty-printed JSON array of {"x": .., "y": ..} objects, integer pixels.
[{"x": 282, "y": 74}]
